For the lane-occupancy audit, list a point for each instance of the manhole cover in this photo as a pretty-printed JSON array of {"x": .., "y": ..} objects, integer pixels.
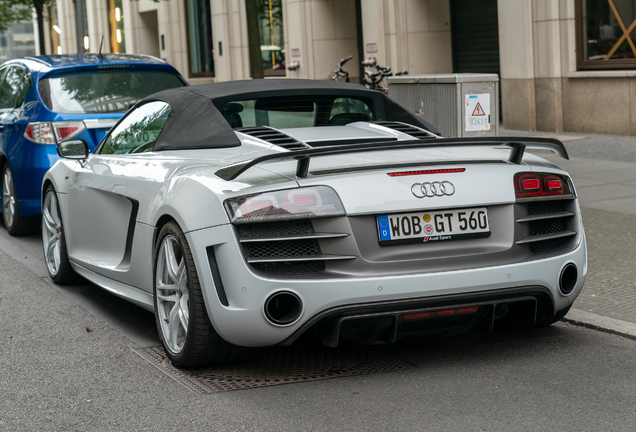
[{"x": 301, "y": 362}]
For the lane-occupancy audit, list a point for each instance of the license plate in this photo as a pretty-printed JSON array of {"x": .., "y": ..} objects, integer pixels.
[{"x": 433, "y": 226}]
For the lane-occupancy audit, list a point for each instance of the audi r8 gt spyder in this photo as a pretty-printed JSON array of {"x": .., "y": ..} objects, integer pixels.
[
  {"x": 245, "y": 214},
  {"x": 46, "y": 99}
]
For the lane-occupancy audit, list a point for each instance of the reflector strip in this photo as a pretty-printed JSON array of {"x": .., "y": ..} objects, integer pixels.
[
  {"x": 442, "y": 313},
  {"x": 433, "y": 171}
]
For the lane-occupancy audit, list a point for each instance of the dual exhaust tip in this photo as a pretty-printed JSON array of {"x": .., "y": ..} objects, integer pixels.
[{"x": 284, "y": 307}]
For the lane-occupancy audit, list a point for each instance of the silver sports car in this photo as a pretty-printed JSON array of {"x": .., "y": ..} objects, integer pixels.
[{"x": 245, "y": 214}]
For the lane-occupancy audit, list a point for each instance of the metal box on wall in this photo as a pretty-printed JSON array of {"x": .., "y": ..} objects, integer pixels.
[{"x": 458, "y": 105}]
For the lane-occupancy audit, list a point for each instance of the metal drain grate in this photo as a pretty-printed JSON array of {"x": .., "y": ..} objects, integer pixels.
[{"x": 301, "y": 362}]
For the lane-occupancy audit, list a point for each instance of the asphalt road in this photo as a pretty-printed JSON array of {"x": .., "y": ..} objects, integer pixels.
[
  {"x": 66, "y": 363},
  {"x": 55, "y": 375}
]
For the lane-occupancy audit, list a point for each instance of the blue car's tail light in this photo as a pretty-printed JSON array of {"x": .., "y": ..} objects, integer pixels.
[
  {"x": 298, "y": 203},
  {"x": 53, "y": 132}
]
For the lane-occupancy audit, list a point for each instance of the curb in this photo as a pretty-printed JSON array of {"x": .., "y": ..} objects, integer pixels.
[{"x": 597, "y": 322}]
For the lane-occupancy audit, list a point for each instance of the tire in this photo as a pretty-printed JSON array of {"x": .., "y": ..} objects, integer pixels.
[
  {"x": 190, "y": 341},
  {"x": 54, "y": 242},
  {"x": 15, "y": 224}
]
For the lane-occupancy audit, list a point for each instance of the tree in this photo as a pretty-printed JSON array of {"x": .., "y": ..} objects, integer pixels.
[{"x": 12, "y": 11}]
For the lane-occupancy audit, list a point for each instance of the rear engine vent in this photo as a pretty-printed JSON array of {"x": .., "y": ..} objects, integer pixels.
[
  {"x": 286, "y": 247},
  {"x": 408, "y": 129},
  {"x": 274, "y": 136},
  {"x": 548, "y": 225}
]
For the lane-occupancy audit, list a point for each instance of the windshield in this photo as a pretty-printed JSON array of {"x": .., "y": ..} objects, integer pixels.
[
  {"x": 296, "y": 111},
  {"x": 103, "y": 91}
]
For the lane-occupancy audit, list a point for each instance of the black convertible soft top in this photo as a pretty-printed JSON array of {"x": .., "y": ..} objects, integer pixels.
[{"x": 196, "y": 122}]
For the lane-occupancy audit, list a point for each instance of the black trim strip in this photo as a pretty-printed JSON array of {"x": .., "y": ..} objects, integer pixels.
[
  {"x": 300, "y": 258},
  {"x": 292, "y": 237},
  {"x": 543, "y": 216},
  {"x": 517, "y": 146},
  {"x": 536, "y": 238},
  {"x": 216, "y": 276}
]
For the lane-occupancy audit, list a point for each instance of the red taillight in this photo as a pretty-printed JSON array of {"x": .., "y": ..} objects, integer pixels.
[
  {"x": 63, "y": 132},
  {"x": 261, "y": 204},
  {"x": 529, "y": 185},
  {"x": 53, "y": 132},
  {"x": 304, "y": 200},
  {"x": 29, "y": 132},
  {"x": 532, "y": 184},
  {"x": 442, "y": 313},
  {"x": 553, "y": 183},
  {"x": 433, "y": 171}
]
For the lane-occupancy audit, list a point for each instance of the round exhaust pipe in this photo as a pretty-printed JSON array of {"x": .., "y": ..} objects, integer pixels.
[
  {"x": 568, "y": 278},
  {"x": 283, "y": 308}
]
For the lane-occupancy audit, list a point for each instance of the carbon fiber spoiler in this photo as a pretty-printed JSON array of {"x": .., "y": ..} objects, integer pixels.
[{"x": 517, "y": 147}]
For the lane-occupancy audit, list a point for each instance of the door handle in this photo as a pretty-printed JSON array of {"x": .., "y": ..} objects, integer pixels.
[{"x": 1, "y": 128}]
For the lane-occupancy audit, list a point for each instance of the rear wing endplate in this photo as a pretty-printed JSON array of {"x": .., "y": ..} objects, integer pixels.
[{"x": 517, "y": 147}]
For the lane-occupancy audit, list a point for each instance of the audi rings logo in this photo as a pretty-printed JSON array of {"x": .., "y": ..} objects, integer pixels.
[{"x": 423, "y": 190}]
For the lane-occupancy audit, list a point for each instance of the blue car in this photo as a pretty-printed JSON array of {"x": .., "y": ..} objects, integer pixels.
[{"x": 47, "y": 99}]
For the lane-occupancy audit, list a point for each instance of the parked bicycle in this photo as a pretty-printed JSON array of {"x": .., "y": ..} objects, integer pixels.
[
  {"x": 374, "y": 79},
  {"x": 338, "y": 72}
]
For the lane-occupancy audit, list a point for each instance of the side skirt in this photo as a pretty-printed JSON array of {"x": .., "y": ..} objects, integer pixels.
[{"x": 127, "y": 292}]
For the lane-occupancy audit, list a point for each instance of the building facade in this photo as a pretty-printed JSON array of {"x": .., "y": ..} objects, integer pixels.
[{"x": 564, "y": 65}]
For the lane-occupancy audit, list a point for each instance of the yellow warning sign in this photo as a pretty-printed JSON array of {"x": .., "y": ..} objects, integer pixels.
[{"x": 478, "y": 111}]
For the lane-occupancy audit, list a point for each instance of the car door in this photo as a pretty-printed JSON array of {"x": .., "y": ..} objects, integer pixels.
[{"x": 103, "y": 193}]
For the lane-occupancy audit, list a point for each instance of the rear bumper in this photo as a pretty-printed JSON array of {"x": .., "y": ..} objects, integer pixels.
[{"x": 243, "y": 321}]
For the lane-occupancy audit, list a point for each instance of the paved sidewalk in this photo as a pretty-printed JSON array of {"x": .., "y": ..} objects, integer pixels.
[{"x": 603, "y": 168}]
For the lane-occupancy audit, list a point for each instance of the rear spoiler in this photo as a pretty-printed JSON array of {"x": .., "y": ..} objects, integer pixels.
[{"x": 517, "y": 147}]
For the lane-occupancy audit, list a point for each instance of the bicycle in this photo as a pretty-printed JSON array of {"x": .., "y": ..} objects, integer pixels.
[
  {"x": 373, "y": 80},
  {"x": 338, "y": 72}
]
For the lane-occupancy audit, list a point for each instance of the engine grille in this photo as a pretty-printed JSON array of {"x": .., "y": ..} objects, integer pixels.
[
  {"x": 548, "y": 227},
  {"x": 291, "y": 248},
  {"x": 286, "y": 247},
  {"x": 296, "y": 227}
]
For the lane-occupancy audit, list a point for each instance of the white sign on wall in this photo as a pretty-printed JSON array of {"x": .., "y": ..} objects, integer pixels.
[{"x": 477, "y": 112}]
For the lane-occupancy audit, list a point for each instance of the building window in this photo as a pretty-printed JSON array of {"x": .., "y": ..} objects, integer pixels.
[
  {"x": 270, "y": 15},
  {"x": 116, "y": 24},
  {"x": 606, "y": 34},
  {"x": 200, "y": 47}
]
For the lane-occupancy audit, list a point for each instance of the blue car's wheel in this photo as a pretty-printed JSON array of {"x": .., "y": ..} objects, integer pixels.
[{"x": 14, "y": 223}]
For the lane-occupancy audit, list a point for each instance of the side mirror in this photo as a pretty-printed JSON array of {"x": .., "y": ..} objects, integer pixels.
[{"x": 73, "y": 149}]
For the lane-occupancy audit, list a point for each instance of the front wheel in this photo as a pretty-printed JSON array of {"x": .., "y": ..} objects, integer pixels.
[
  {"x": 182, "y": 320},
  {"x": 53, "y": 241}
]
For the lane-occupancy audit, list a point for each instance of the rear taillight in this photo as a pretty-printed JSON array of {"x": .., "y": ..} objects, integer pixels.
[
  {"x": 306, "y": 202},
  {"x": 53, "y": 132},
  {"x": 528, "y": 185}
]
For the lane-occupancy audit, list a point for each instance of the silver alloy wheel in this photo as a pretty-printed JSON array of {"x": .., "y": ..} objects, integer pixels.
[
  {"x": 52, "y": 233},
  {"x": 8, "y": 200},
  {"x": 172, "y": 294}
]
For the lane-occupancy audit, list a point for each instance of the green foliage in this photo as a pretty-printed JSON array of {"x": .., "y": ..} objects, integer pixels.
[{"x": 14, "y": 11}]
